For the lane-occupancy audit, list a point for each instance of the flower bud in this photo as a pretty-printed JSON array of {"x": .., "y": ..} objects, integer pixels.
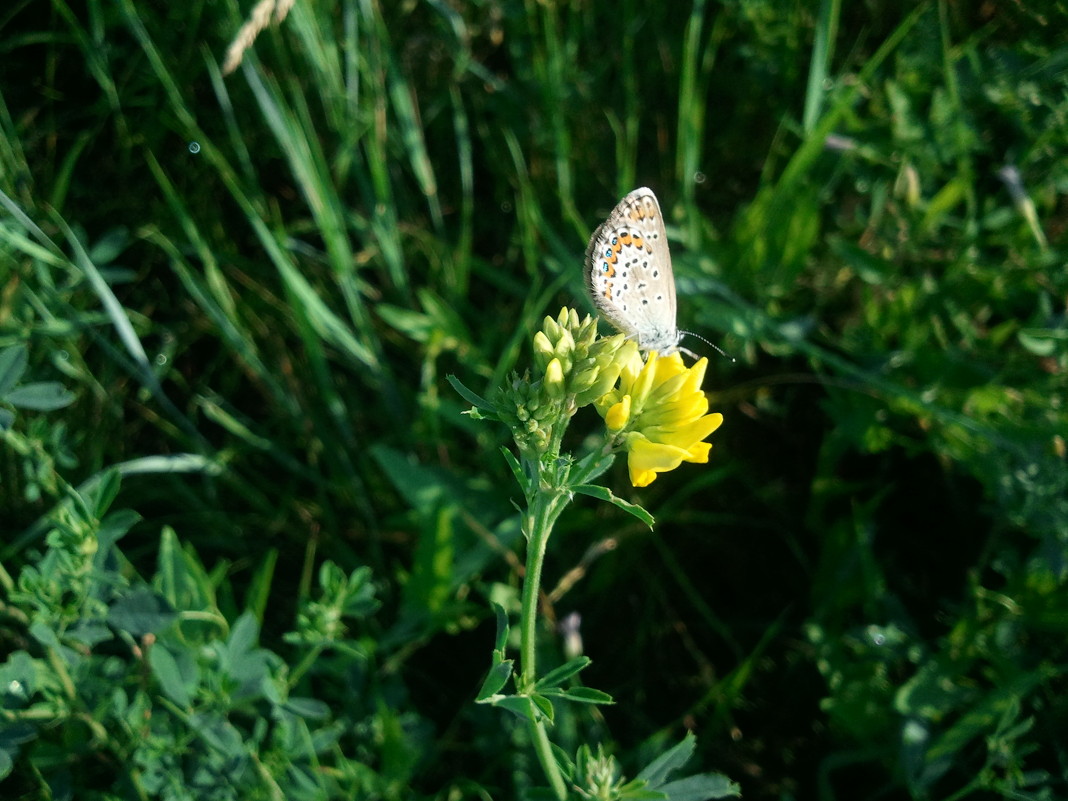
[
  {"x": 543, "y": 350},
  {"x": 554, "y": 380},
  {"x": 617, "y": 417}
]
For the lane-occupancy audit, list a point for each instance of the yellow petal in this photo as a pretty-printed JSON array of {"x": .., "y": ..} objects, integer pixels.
[
  {"x": 699, "y": 453},
  {"x": 645, "y": 459},
  {"x": 618, "y": 416},
  {"x": 643, "y": 382},
  {"x": 674, "y": 413},
  {"x": 632, "y": 366},
  {"x": 696, "y": 375},
  {"x": 685, "y": 434},
  {"x": 668, "y": 366}
]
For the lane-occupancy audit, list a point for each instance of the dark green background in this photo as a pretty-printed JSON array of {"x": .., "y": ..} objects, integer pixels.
[{"x": 388, "y": 193}]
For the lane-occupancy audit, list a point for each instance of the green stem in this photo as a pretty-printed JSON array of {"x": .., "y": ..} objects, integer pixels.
[
  {"x": 544, "y": 750},
  {"x": 545, "y": 506},
  {"x": 538, "y": 532}
]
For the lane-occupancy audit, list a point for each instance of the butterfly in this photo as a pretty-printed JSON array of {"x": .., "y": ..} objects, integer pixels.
[{"x": 628, "y": 273}]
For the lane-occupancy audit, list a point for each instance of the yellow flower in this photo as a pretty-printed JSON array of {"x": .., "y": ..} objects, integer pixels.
[{"x": 659, "y": 413}]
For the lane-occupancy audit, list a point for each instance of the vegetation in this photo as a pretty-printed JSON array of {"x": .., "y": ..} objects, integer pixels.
[{"x": 251, "y": 546}]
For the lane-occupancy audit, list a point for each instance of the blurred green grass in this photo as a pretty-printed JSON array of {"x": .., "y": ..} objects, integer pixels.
[{"x": 862, "y": 593}]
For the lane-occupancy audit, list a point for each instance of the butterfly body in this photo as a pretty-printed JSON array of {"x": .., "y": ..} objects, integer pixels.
[{"x": 629, "y": 276}]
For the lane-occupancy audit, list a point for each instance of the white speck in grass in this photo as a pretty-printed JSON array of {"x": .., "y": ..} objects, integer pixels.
[{"x": 914, "y": 733}]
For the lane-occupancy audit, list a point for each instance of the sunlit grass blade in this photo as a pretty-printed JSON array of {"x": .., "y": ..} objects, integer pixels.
[{"x": 820, "y": 66}]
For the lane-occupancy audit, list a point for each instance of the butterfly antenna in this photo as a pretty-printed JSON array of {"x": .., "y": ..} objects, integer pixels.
[{"x": 722, "y": 352}]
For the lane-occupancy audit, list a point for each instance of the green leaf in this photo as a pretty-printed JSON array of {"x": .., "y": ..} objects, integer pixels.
[
  {"x": 99, "y": 497},
  {"x": 639, "y": 793},
  {"x": 18, "y": 679},
  {"x": 429, "y": 588},
  {"x": 89, "y": 634},
  {"x": 425, "y": 488},
  {"x": 544, "y": 705},
  {"x": 14, "y": 734},
  {"x": 580, "y": 695},
  {"x": 517, "y": 470},
  {"x": 564, "y": 761},
  {"x": 178, "y": 677},
  {"x": 247, "y": 665},
  {"x": 415, "y": 325},
  {"x": 520, "y": 705},
  {"x": 557, "y": 676},
  {"x": 12, "y": 365},
  {"x": 243, "y": 636},
  {"x": 218, "y": 733},
  {"x": 501, "y": 641},
  {"x": 701, "y": 787},
  {"x": 108, "y": 248},
  {"x": 259, "y": 588},
  {"x": 592, "y": 466},
  {"x": 605, "y": 494},
  {"x": 115, "y": 525},
  {"x": 869, "y": 268},
  {"x": 308, "y": 708},
  {"x": 496, "y": 679},
  {"x": 656, "y": 772},
  {"x": 44, "y": 634},
  {"x": 181, "y": 578},
  {"x": 41, "y": 396},
  {"x": 473, "y": 398},
  {"x": 360, "y": 600},
  {"x": 141, "y": 612},
  {"x": 1039, "y": 341},
  {"x": 944, "y": 201}
]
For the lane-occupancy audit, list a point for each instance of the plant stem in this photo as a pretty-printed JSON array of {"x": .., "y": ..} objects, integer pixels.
[
  {"x": 538, "y": 532},
  {"x": 544, "y": 507}
]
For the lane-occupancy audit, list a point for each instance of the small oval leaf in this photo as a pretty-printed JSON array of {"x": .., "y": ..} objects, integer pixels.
[
  {"x": 497, "y": 678},
  {"x": 41, "y": 396}
]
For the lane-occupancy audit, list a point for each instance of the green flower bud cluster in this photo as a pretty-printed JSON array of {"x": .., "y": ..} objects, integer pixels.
[
  {"x": 576, "y": 364},
  {"x": 573, "y": 367},
  {"x": 597, "y": 775},
  {"x": 531, "y": 411}
]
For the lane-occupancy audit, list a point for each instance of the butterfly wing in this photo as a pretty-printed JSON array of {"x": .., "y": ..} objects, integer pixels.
[{"x": 628, "y": 272}]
